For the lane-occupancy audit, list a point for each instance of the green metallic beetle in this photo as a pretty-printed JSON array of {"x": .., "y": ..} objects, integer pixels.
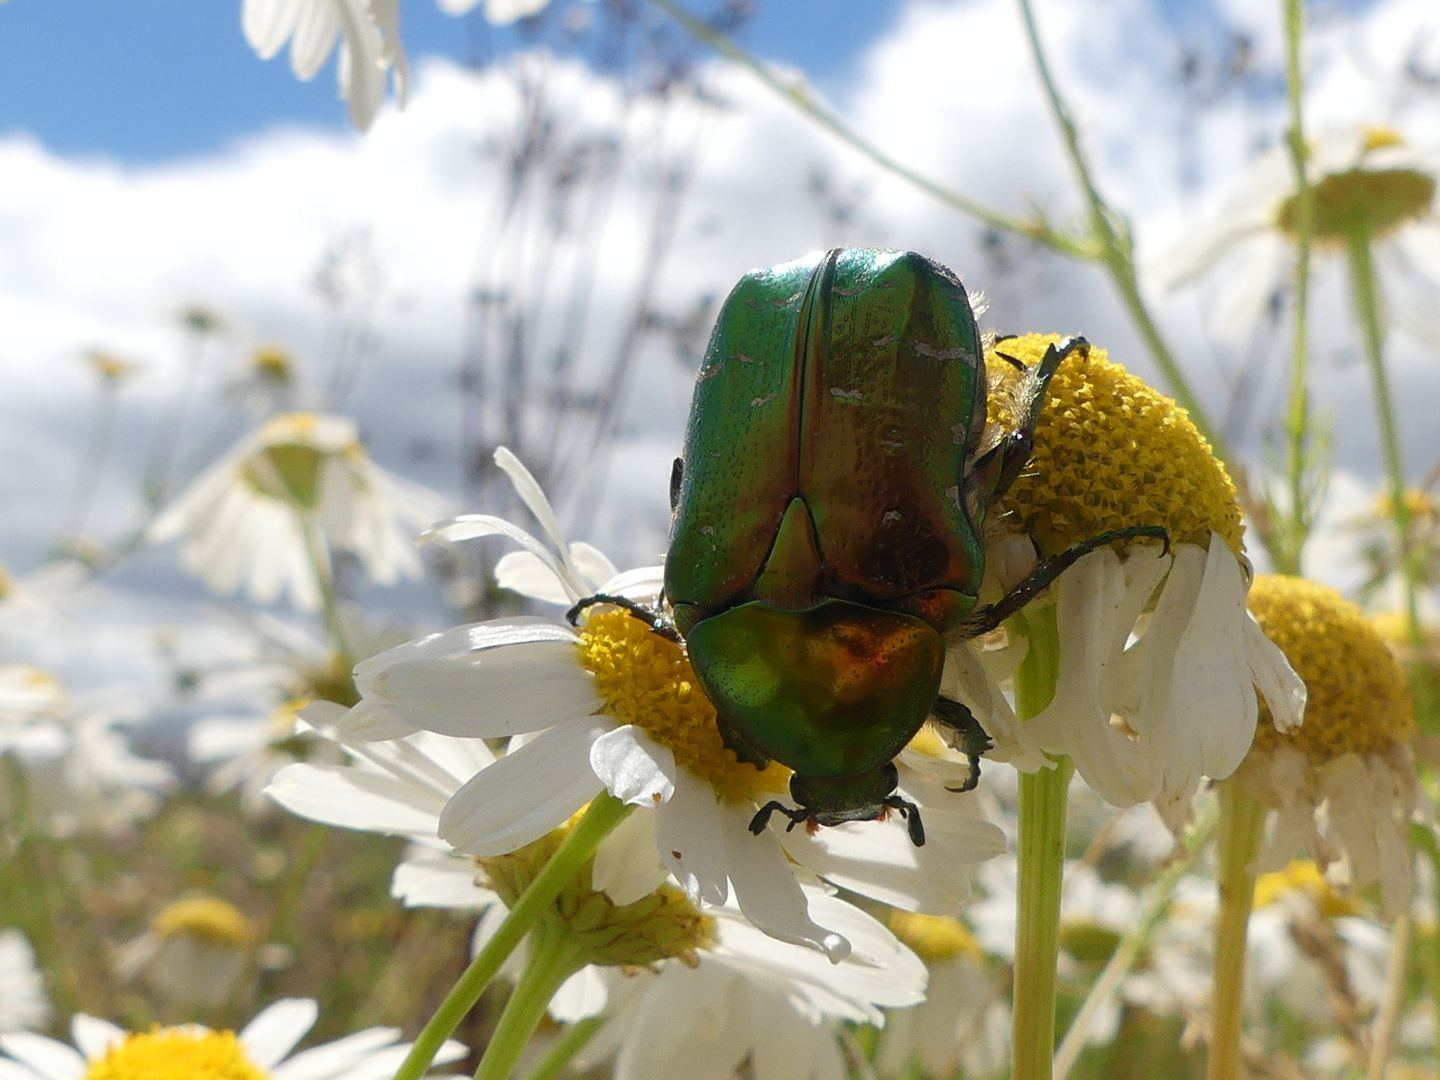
[{"x": 828, "y": 521}]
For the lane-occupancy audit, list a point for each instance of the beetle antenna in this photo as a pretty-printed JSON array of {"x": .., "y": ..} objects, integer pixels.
[{"x": 640, "y": 611}]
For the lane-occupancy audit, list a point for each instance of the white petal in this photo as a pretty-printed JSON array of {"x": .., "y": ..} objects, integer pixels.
[
  {"x": 52, "y": 1060},
  {"x": 276, "y": 1031},
  {"x": 93, "y": 1036},
  {"x": 525, "y": 573},
  {"x": 967, "y": 681},
  {"x": 627, "y": 864},
  {"x": 333, "y": 1060},
  {"x": 440, "y": 881},
  {"x": 765, "y": 885},
  {"x": 634, "y": 767},
  {"x": 1283, "y": 690},
  {"x": 355, "y": 799},
  {"x": 1248, "y": 288},
  {"x": 687, "y": 834},
  {"x": 525, "y": 794},
  {"x": 583, "y": 995}
]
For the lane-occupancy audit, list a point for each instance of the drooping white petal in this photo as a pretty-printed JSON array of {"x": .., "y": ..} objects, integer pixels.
[
  {"x": 688, "y": 836},
  {"x": 967, "y": 680},
  {"x": 525, "y": 794},
  {"x": 1283, "y": 690},
  {"x": 474, "y": 526},
  {"x": 592, "y": 563},
  {"x": 275, "y": 1032},
  {"x": 627, "y": 864},
  {"x": 634, "y": 767},
  {"x": 765, "y": 885},
  {"x": 583, "y": 995},
  {"x": 354, "y": 799},
  {"x": 442, "y": 881},
  {"x": 527, "y": 574}
]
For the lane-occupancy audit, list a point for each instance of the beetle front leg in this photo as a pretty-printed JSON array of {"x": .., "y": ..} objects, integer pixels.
[
  {"x": 640, "y": 611},
  {"x": 969, "y": 737},
  {"x": 911, "y": 813},
  {"x": 1044, "y": 575},
  {"x": 761, "y": 821}
]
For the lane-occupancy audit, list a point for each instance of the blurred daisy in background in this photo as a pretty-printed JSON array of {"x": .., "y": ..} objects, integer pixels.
[
  {"x": 1159, "y": 640},
  {"x": 265, "y": 516},
  {"x": 1368, "y": 186},
  {"x": 23, "y": 1004},
  {"x": 260, "y": 1051},
  {"x": 192, "y": 955},
  {"x": 1343, "y": 785}
]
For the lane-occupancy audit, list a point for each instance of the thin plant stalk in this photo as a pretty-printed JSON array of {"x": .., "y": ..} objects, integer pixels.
[
  {"x": 1366, "y": 295},
  {"x": 1242, "y": 823},
  {"x": 1041, "y": 857},
  {"x": 315, "y": 548},
  {"x": 1114, "y": 249},
  {"x": 1397, "y": 968},
  {"x": 554, "y": 957},
  {"x": 92, "y": 464},
  {"x": 605, "y": 812},
  {"x": 1154, "y": 906},
  {"x": 1297, "y": 416},
  {"x": 572, "y": 1040}
]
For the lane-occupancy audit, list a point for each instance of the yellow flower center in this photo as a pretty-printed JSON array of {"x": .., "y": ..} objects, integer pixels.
[
  {"x": 177, "y": 1054},
  {"x": 289, "y": 472},
  {"x": 7, "y": 583},
  {"x": 206, "y": 917},
  {"x": 110, "y": 367},
  {"x": 647, "y": 681},
  {"x": 934, "y": 938},
  {"x": 659, "y": 926},
  {"x": 1360, "y": 202},
  {"x": 1359, "y": 699},
  {"x": 1303, "y": 876},
  {"x": 1110, "y": 453},
  {"x": 272, "y": 364}
]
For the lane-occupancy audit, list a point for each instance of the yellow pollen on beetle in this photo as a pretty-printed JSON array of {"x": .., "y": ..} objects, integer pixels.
[
  {"x": 646, "y": 680},
  {"x": 1110, "y": 453},
  {"x": 1302, "y": 876},
  {"x": 206, "y": 917},
  {"x": 934, "y": 938},
  {"x": 1359, "y": 698},
  {"x": 176, "y": 1054}
]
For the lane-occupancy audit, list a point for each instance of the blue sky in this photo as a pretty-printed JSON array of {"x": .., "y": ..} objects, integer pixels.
[{"x": 155, "y": 80}]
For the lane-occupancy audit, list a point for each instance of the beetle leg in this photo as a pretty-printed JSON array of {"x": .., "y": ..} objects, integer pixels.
[
  {"x": 911, "y": 813},
  {"x": 639, "y": 611},
  {"x": 969, "y": 737},
  {"x": 1005, "y": 461},
  {"x": 761, "y": 821},
  {"x": 1044, "y": 575}
]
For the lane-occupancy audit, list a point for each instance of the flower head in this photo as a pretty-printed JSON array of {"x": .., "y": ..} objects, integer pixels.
[
  {"x": 193, "y": 953},
  {"x": 261, "y": 1051},
  {"x": 1351, "y": 757},
  {"x": 23, "y": 1004},
  {"x": 261, "y": 516},
  {"x": 1159, "y": 640},
  {"x": 1366, "y": 186},
  {"x": 613, "y": 705}
]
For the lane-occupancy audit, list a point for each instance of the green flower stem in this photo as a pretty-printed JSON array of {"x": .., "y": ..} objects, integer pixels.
[
  {"x": 1366, "y": 294},
  {"x": 329, "y": 602},
  {"x": 1397, "y": 970},
  {"x": 1041, "y": 855},
  {"x": 798, "y": 96},
  {"x": 1114, "y": 249},
  {"x": 571, "y": 1041},
  {"x": 1154, "y": 906},
  {"x": 554, "y": 956},
  {"x": 1297, "y": 418},
  {"x": 604, "y": 814},
  {"x": 1242, "y": 822}
]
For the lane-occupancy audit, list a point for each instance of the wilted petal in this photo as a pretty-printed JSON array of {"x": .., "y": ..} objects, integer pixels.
[{"x": 634, "y": 767}]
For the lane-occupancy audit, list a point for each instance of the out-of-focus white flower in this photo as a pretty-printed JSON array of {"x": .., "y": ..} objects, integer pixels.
[
  {"x": 37, "y": 600},
  {"x": 262, "y": 516},
  {"x": 729, "y": 993},
  {"x": 370, "y": 49},
  {"x": 263, "y": 1048},
  {"x": 1367, "y": 185},
  {"x": 23, "y": 1004},
  {"x": 1343, "y": 786},
  {"x": 192, "y": 955},
  {"x": 497, "y": 12},
  {"x": 963, "y": 1024},
  {"x": 614, "y": 706},
  {"x": 1161, "y": 641}
]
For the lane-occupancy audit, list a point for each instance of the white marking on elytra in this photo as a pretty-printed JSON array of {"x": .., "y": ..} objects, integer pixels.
[
  {"x": 755, "y": 403},
  {"x": 957, "y": 434},
  {"x": 953, "y": 494},
  {"x": 888, "y": 339},
  {"x": 924, "y": 348},
  {"x": 847, "y": 395},
  {"x": 743, "y": 358},
  {"x": 891, "y": 517},
  {"x": 707, "y": 530}
]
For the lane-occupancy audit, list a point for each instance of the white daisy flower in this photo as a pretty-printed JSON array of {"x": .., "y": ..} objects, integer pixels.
[
  {"x": 963, "y": 1025},
  {"x": 262, "y": 1050},
  {"x": 781, "y": 1003},
  {"x": 1365, "y": 183},
  {"x": 23, "y": 1004},
  {"x": 370, "y": 50},
  {"x": 33, "y": 705},
  {"x": 1343, "y": 786},
  {"x": 262, "y": 515},
  {"x": 1158, "y": 660},
  {"x": 192, "y": 955},
  {"x": 497, "y": 12},
  {"x": 614, "y": 706}
]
